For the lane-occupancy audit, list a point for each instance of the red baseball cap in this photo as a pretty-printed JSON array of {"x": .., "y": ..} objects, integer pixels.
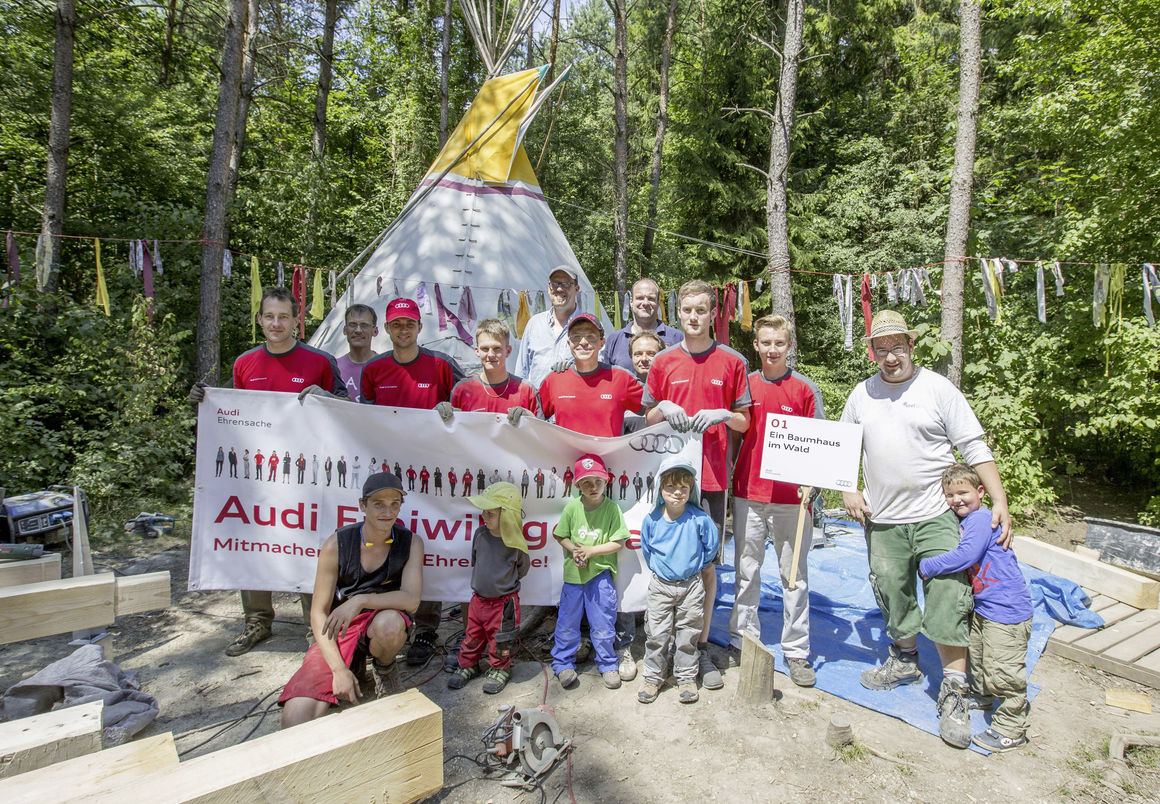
[
  {"x": 591, "y": 319},
  {"x": 590, "y": 466},
  {"x": 402, "y": 308}
]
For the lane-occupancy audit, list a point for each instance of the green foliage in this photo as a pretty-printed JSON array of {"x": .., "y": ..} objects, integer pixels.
[{"x": 92, "y": 401}]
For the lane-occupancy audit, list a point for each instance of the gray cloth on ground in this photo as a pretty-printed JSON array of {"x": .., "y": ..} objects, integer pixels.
[{"x": 80, "y": 678}]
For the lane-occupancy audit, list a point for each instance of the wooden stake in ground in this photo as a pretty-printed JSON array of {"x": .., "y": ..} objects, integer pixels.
[
  {"x": 803, "y": 506},
  {"x": 756, "y": 684}
]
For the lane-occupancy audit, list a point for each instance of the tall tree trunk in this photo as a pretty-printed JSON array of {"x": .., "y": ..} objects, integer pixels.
[
  {"x": 553, "y": 42},
  {"x": 52, "y": 219},
  {"x": 620, "y": 142},
  {"x": 245, "y": 97},
  {"x": 217, "y": 194},
  {"x": 167, "y": 47},
  {"x": 529, "y": 61},
  {"x": 654, "y": 179},
  {"x": 781, "y": 133},
  {"x": 959, "y": 216},
  {"x": 325, "y": 71},
  {"x": 444, "y": 70}
]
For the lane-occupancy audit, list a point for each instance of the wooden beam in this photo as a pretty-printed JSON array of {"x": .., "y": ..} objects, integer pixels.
[
  {"x": 124, "y": 763},
  {"x": 1127, "y": 587},
  {"x": 15, "y": 573},
  {"x": 385, "y": 750},
  {"x": 756, "y": 683},
  {"x": 140, "y": 593},
  {"x": 57, "y": 607},
  {"x": 33, "y": 742}
]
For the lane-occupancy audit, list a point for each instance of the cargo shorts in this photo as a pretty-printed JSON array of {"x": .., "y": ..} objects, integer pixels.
[{"x": 894, "y": 552}]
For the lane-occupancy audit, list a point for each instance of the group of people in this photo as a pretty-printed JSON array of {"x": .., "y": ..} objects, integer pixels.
[{"x": 643, "y": 374}]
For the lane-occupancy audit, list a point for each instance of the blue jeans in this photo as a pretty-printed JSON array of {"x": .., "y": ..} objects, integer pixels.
[
  {"x": 625, "y": 629},
  {"x": 596, "y": 600}
]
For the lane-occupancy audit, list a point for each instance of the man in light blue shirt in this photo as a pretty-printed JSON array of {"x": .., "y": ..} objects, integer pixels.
[{"x": 544, "y": 342}]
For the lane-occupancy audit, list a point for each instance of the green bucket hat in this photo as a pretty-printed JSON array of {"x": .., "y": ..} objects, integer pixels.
[{"x": 507, "y": 498}]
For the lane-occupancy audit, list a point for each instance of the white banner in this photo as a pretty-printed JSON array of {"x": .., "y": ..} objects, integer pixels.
[
  {"x": 811, "y": 452},
  {"x": 257, "y": 530}
]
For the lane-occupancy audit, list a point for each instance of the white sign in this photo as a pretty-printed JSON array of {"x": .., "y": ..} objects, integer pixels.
[
  {"x": 811, "y": 452},
  {"x": 258, "y": 525}
]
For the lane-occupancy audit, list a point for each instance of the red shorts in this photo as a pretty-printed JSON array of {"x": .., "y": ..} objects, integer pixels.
[{"x": 314, "y": 678}]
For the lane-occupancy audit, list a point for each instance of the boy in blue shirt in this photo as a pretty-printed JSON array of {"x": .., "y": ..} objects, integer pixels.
[
  {"x": 591, "y": 530},
  {"x": 1001, "y": 622},
  {"x": 677, "y": 541}
]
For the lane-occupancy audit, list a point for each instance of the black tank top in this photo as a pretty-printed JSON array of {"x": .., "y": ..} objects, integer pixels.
[{"x": 354, "y": 580}]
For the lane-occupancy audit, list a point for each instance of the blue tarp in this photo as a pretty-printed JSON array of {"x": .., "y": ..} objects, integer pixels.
[{"x": 847, "y": 632}]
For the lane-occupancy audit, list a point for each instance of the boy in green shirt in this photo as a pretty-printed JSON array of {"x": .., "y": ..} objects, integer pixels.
[{"x": 591, "y": 530}]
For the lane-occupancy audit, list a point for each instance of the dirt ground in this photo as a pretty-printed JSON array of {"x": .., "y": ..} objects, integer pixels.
[{"x": 716, "y": 749}]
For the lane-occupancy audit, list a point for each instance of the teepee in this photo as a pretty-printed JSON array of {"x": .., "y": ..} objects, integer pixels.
[{"x": 478, "y": 221}]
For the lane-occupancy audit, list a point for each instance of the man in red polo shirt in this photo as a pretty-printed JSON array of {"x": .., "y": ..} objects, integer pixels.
[
  {"x": 589, "y": 397},
  {"x": 702, "y": 385},
  {"x": 282, "y": 363},
  {"x": 493, "y": 390},
  {"x": 411, "y": 376}
]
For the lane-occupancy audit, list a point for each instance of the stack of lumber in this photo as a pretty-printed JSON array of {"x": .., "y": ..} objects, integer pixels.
[
  {"x": 1128, "y": 645},
  {"x": 386, "y": 750}
]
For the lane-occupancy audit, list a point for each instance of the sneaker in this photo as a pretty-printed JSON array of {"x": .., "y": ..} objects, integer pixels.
[
  {"x": 710, "y": 675},
  {"x": 648, "y": 692},
  {"x": 976, "y": 700},
  {"x": 251, "y": 635},
  {"x": 386, "y": 679},
  {"x": 627, "y": 666},
  {"x": 994, "y": 741},
  {"x": 422, "y": 646},
  {"x": 495, "y": 680},
  {"x": 899, "y": 668},
  {"x": 461, "y": 675},
  {"x": 954, "y": 724},
  {"x": 801, "y": 673},
  {"x": 611, "y": 679},
  {"x": 567, "y": 678},
  {"x": 687, "y": 692}
]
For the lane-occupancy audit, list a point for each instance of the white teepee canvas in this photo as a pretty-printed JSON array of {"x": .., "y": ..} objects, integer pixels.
[{"x": 477, "y": 220}]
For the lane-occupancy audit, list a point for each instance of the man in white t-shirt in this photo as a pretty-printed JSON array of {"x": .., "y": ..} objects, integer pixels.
[{"x": 912, "y": 420}]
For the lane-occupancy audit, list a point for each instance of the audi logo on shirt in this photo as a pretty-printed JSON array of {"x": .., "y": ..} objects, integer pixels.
[
  {"x": 716, "y": 381},
  {"x": 657, "y": 443},
  {"x": 298, "y": 380},
  {"x": 606, "y": 396}
]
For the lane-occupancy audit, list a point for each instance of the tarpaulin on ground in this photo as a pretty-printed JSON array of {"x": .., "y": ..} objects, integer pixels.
[
  {"x": 848, "y": 634},
  {"x": 258, "y": 527}
]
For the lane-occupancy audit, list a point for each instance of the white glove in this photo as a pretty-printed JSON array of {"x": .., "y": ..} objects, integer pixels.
[
  {"x": 705, "y": 419},
  {"x": 445, "y": 411},
  {"x": 515, "y": 414},
  {"x": 313, "y": 389},
  {"x": 197, "y": 393},
  {"x": 562, "y": 365},
  {"x": 675, "y": 415}
]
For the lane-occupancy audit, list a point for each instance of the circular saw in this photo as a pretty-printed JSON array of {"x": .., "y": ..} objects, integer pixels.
[{"x": 527, "y": 741}]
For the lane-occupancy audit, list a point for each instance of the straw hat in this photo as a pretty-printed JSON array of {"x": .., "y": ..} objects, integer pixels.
[{"x": 888, "y": 322}]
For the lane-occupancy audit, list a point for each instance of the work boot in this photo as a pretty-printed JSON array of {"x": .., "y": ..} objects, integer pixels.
[
  {"x": 687, "y": 692},
  {"x": 801, "y": 673},
  {"x": 495, "y": 680},
  {"x": 627, "y": 666},
  {"x": 648, "y": 692},
  {"x": 710, "y": 675},
  {"x": 252, "y": 634},
  {"x": 386, "y": 679},
  {"x": 422, "y": 646},
  {"x": 899, "y": 668},
  {"x": 954, "y": 724},
  {"x": 461, "y": 675}
]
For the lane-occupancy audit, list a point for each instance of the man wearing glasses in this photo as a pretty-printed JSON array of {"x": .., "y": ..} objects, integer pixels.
[
  {"x": 361, "y": 327},
  {"x": 912, "y": 420},
  {"x": 590, "y": 397},
  {"x": 543, "y": 343}
]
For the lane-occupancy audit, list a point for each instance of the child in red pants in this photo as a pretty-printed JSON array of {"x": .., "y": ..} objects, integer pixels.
[{"x": 499, "y": 557}]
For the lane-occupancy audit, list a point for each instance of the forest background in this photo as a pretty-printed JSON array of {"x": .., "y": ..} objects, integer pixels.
[{"x": 1067, "y": 168}]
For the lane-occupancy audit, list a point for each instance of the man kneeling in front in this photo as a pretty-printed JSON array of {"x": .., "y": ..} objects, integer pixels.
[{"x": 358, "y": 612}]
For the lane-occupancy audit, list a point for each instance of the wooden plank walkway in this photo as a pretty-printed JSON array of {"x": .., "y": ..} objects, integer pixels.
[{"x": 1127, "y": 646}]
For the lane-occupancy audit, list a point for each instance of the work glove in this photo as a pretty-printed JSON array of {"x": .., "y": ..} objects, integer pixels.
[
  {"x": 515, "y": 414},
  {"x": 675, "y": 415},
  {"x": 313, "y": 389},
  {"x": 445, "y": 411},
  {"x": 705, "y": 419},
  {"x": 197, "y": 393},
  {"x": 562, "y": 365}
]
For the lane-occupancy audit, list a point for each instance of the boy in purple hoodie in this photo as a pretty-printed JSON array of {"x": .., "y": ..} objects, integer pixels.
[{"x": 1001, "y": 622}]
